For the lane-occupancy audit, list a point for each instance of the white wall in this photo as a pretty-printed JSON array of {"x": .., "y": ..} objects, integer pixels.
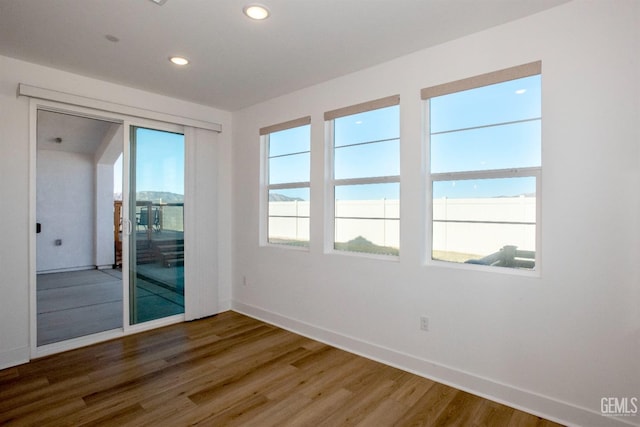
[
  {"x": 104, "y": 239},
  {"x": 105, "y": 158},
  {"x": 14, "y": 185},
  {"x": 65, "y": 208},
  {"x": 554, "y": 344}
]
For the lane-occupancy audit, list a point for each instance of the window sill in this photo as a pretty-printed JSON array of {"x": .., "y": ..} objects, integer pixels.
[
  {"x": 378, "y": 257},
  {"x": 285, "y": 247}
]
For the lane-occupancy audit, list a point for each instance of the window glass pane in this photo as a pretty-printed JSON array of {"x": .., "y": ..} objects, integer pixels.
[
  {"x": 375, "y": 125},
  {"x": 368, "y": 195},
  {"x": 367, "y": 145},
  {"x": 289, "y": 216},
  {"x": 289, "y": 231},
  {"x": 499, "y": 103},
  {"x": 368, "y": 160},
  {"x": 289, "y": 195},
  {"x": 372, "y": 236},
  {"x": 515, "y": 145},
  {"x": 368, "y": 218},
  {"x": 156, "y": 202},
  {"x": 294, "y": 140},
  {"x": 290, "y": 168},
  {"x": 487, "y": 221},
  {"x": 288, "y": 208},
  {"x": 500, "y": 245},
  {"x": 485, "y": 188}
]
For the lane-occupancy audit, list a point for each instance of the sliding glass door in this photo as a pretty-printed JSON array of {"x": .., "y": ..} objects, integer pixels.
[{"x": 156, "y": 212}]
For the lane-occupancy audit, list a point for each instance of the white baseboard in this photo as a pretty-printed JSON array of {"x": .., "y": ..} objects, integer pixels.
[
  {"x": 533, "y": 403},
  {"x": 14, "y": 357}
]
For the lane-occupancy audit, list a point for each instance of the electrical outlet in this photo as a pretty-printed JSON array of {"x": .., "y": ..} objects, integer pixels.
[{"x": 424, "y": 323}]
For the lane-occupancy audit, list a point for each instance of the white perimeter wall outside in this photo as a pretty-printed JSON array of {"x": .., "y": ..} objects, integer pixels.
[
  {"x": 554, "y": 344},
  {"x": 290, "y": 220}
]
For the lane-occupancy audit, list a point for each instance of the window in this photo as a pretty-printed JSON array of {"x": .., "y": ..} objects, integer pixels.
[
  {"x": 365, "y": 149},
  {"x": 485, "y": 154},
  {"x": 287, "y": 165}
]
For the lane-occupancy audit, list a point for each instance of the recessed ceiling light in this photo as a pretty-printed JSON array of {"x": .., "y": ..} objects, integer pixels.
[
  {"x": 179, "y": 60},
  {"x": 520, "y": 91},
  {"x": 256, "y": 11}
]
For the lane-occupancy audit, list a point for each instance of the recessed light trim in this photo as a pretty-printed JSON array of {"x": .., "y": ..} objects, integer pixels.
[
  {"x": 256, "y": 11},
  {"x": 179, "y": 60}
]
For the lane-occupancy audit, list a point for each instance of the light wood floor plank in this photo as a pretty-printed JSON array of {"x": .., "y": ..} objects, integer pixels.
[
  {"x": 356, "y": 408},
  {"x": 492, "y": 413},
  {"x": 428, "y": 407},
  {"x": 231, "y": 370},
  {"x": 459, "y": 411},
  {"x": 276, "y": 413},
  {"x": 412, "y": 390},
  {"x": 319, "y": 408},
  {"x": 385, "y": 414}
]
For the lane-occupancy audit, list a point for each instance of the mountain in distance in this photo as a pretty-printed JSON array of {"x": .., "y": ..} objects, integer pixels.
[
  {"x": 516, "y": 195},
  {"x": 277, "y": 197},
  {"x": 160, "y": 196},
  {"x": 155, "y": 197}
]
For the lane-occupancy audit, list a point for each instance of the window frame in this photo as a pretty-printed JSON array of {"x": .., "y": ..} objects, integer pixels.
[
  {"x": 332, "y": 182},
  {"x": 265, "y": 134},
  {"x": 491, "y": 78}
]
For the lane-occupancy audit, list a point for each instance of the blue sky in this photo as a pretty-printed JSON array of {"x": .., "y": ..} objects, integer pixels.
[
  {"x": 454, "y": 147},
  {"x": 500, "y": 103},
  {"x": 160, "y": 162},
  {"x": 475, "y": 188},
  {"x": 376, "y": 125},
  {"x": 351, "y": 159}
]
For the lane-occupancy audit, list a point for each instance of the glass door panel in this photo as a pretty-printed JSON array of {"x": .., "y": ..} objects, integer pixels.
[{"x": 156, "y": 212}]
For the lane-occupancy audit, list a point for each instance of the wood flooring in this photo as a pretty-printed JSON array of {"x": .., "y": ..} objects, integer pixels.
[{"x": 232, "y": 370}]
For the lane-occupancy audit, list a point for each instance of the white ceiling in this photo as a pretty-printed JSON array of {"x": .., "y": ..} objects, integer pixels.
[
  {"x": 78, "y": 134},
  {"x": 237, "y": 62}
]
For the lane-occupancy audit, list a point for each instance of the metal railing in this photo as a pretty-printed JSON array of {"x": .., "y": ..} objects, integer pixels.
[
  {"x": 156, "y": 217},
  {"x": 508, "y": 256}
]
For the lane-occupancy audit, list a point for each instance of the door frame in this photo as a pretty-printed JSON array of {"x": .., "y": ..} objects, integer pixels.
[{"x": 125, "y": 121}]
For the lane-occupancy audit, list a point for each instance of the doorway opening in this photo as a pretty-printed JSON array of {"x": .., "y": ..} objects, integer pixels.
[{"x": 78, "y": 284}]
